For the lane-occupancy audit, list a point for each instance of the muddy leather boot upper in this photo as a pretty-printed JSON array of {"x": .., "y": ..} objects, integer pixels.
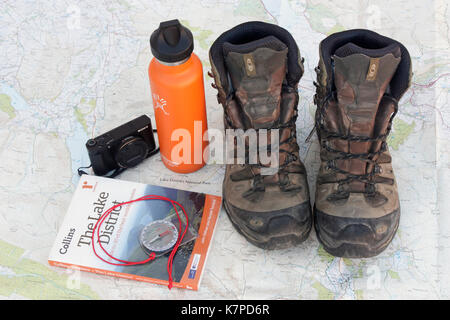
[
  {"x": 361, "y": 76},
  {"x": 256, "y": 68}
]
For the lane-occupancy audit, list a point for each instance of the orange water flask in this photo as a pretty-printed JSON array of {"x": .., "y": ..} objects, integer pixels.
[{"x": 176, "y": 82}]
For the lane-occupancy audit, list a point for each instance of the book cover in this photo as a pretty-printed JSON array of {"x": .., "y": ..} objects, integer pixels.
[{"x": 132, "y": 232}]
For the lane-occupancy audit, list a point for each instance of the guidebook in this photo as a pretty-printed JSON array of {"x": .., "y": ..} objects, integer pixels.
[{"x": 163, "y": 240}]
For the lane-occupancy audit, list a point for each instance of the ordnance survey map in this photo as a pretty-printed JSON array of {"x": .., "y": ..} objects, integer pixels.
[{"x": 70, "y": 71}]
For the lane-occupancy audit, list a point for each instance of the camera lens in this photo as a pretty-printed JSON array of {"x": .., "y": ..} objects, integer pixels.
[
  {"x": 131, "y": 152},
  {"x": 91, "y": 142}
]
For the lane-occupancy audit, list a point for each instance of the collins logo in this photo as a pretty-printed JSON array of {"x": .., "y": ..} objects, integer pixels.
[{"x": 87, "y": 186}]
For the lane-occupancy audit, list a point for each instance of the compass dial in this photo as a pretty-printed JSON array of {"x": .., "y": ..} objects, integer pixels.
[{"x": 159, "y": 236}]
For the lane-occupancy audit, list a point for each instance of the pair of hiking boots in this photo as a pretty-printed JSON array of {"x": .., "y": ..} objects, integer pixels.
[{"x": 361, "y": 75}]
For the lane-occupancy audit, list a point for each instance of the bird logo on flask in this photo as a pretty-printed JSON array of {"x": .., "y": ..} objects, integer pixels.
[{"x": 159, "y": 103}]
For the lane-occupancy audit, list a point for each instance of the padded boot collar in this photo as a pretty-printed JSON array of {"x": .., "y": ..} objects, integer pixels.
[
  {"x": 372, "y": 41},
  {"x": 249, "y": 32}
]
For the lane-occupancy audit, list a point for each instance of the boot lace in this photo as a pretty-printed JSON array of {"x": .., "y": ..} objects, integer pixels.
[
  {"x": 368, "y": 157},
  {"x": 291, "y": 154}
]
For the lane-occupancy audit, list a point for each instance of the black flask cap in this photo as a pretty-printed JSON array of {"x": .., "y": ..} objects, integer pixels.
[{"x": 171, "y": 42}]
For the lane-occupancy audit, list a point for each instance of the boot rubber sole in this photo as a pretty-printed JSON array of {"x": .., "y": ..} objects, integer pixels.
[
  {"x": 353, "y": 237},
  {"x": 269, "y": 239}
]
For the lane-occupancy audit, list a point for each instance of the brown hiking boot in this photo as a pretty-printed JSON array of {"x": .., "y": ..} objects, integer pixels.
[
  {"x": 361, "y": 76},
  {"x": 256, "y": 68}
]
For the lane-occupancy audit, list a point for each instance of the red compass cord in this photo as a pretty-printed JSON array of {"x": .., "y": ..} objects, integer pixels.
[{"x": 152, "y": 255}]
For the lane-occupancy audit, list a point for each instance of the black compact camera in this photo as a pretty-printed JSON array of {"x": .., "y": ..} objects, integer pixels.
[{"x": 123, "y": 147}]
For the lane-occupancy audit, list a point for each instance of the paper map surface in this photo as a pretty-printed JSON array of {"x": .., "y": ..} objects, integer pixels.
[{"x": 70, "y": 71}]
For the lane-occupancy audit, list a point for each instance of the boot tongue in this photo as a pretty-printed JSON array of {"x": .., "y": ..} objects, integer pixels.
[
  {"x": 351, "y": 48},
  {"x": 361, "y": 77},
  {"x": 257, "y": 70}
]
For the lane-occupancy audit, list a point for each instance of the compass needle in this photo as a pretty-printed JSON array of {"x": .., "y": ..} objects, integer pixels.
[
  {"x": 159, "y": 236},
  {"x": 164, "y": 233}
]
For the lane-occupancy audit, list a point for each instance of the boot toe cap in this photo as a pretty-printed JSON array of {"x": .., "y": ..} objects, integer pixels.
[
  {"x": 272, "y": 230},
  {"x": 355, "y": 237}
]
